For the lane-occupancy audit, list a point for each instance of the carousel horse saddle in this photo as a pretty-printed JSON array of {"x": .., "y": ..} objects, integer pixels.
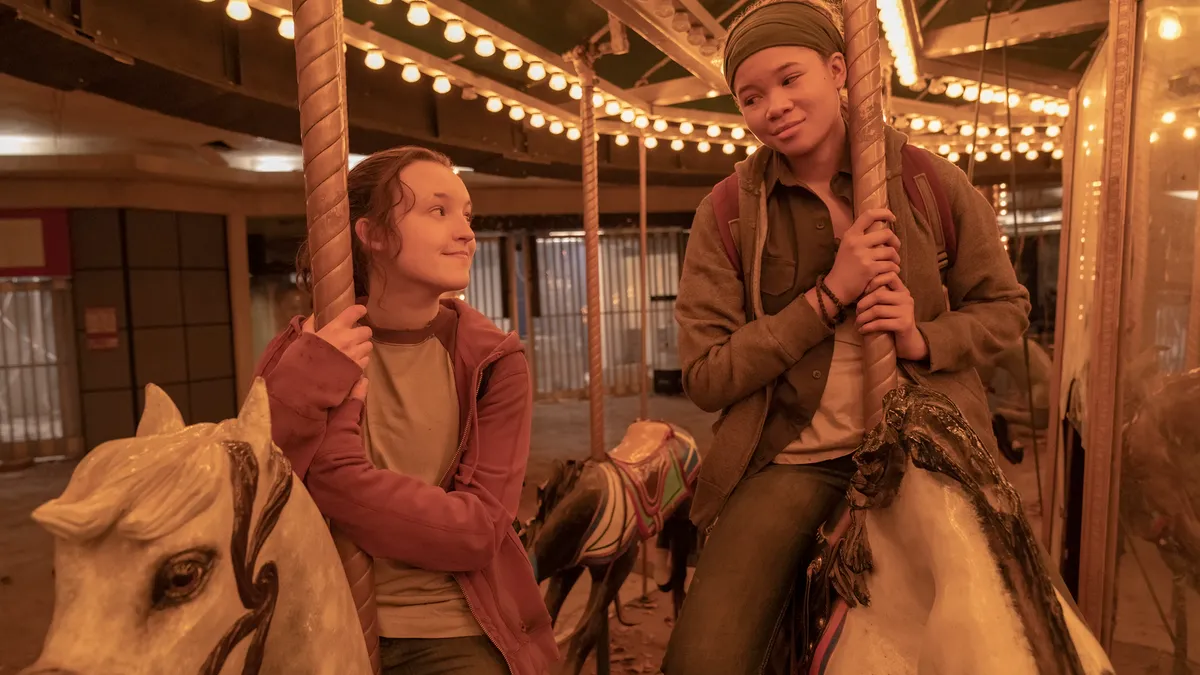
[
  {"x": 657, "y": 465},
  {"x": 820, "y": 606}
]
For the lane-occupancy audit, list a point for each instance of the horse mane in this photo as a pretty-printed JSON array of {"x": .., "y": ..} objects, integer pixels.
[
  {"x": 145, "y": 486},
  {"x": 558, "y": 485}
]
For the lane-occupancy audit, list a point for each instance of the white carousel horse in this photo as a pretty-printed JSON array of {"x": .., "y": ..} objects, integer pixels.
[
  {"x": 195, "y": 550},
  {"x": 934, "y": 567}
]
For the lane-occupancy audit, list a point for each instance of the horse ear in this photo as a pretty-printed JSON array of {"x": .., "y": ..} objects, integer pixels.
[
  {"x": 160, "y": 415},
  {"x": 254, "y": 419}
]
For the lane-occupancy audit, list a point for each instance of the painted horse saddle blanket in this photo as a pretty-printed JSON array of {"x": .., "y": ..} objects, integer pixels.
[{"x": 648, "y": 475}]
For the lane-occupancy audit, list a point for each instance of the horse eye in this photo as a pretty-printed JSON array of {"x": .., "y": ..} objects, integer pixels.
[{"x": 181, "y": 577}]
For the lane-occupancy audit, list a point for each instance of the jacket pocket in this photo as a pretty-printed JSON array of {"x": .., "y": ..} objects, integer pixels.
[
  {"x": 517, "y": 592},
  {"x": 778, "y": 275}
]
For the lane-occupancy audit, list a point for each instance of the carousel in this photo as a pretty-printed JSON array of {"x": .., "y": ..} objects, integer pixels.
[{"x": 613, "y": 94}]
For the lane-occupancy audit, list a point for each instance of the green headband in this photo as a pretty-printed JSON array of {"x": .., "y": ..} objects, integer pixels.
[{"x": 792, "y": 24}]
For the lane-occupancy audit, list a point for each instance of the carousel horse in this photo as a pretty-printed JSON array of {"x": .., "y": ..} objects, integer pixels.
[
  {"x": 901, "y": 582},
  {"x": 593, "y": 514},
  {"x": 1159, "y": 469},
  {"x": 195, "y": 550}
]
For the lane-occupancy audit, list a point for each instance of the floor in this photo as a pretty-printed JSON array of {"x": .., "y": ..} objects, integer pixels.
[{"x": 1142, "y": 644}]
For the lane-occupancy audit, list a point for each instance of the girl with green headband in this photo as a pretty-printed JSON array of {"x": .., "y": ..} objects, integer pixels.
[{"x": 778, "y": 348}]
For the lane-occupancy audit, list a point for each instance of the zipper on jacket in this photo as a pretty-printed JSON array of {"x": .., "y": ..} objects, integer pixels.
[
  {"x": 475, "y": 613},
  {"x": 471, "y": 414}
]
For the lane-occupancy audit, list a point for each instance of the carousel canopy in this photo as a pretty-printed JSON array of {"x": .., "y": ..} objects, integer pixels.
[{"x": 486, "y": 80}]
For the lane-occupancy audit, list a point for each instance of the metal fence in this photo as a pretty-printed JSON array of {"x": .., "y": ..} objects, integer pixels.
[
  {"x": 39, "y": 394},
  {"x": 552, "y": 301}
]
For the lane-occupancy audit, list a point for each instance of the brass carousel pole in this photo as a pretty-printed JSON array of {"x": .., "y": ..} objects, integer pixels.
[
  {"x": 321, "y": 74},
  {"x": 870, "y": 177},
  {"x": 582, "y": 58},
  {"x": 643, "y": 380}
]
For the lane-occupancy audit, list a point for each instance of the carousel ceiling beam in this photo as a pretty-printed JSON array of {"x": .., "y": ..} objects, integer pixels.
[
  {"x": 658, "y": 32},
  {"x": 1023, "y": 76},
  {"x": 701, "y": 14},
  {"x": 1013, "y": 28},
  {"x": 965, "y": 113},
  {"x": 671, "y": 92}
]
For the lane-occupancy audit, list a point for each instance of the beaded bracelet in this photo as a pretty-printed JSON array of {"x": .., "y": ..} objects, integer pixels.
[
  {"x": 841, "y": 308},
  {"x": 824, "y": 312}
]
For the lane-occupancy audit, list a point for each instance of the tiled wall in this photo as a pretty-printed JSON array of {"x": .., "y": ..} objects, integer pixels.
[{"x": 165, "y": 274}]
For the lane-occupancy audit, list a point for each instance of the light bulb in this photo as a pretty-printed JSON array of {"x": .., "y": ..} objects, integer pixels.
[
  {"x": 576, "y": 91},
  {"x": 485, "y": 45},
  {"x": 287, "y": 26},
  {"x": 1169, "y": 26},
  {"x": 728, "y": 148},
  {"x": 1026, "y": 131},
  {"x": 494, "y": 104},
  {"x": 537, "y": 120},
  {"x": 418, "y": 13},
  {"x": 714, "y": 131},
  {"x": 935, "y": 125},
  {"x": 917, "y": 124},
  {"x": 573, "y": 133},
  {"x": 381, "y": 2},
  {"x": 954, "y": 90},
  {"x": 375, "y": 59},
  {"x": 943, "y": 149},
  {"x": 986, "y": 96},
  {"x": 981, "y": 156},
  {"x": 411, "y": 73},
  {"x": 703, "y": 146},
  {"x": 1051, "y": 108},
  {"x": 516, "y": 113},
  {"x": 676, "y": 145},
  {"x": 1014, "y": 100},
  {"x": 621, "y": 140},
  {"x": 597, "y": 100},
  {"x": 1058, "y": 153},
  {"x": 1037, "y": 105},
  {"x": 751, "y": 149},
  {"x": 686, "y": 128},
  {"x": 953, "y": 157},
  {"x": 1053, "y": 130},
  {"x": 537, "y": 71},
  {"x": 512, "y": 59},
  {"x": 441, "y": 84},
  {"x": 651, "y": 142},
  {"x": 612, "y": 107},
  {"x": 1001, "y": 131},
  {"x": 238, "y": 10},
  {"x": 1063, "y": 110},
  {"x": 1169, "y": 117},
  {"x": 737, "y": 133},
  {"x": 627, "y": 115},
  {"x": 1189, "y": 133},
  {"x": 455, "y": 32},
  {"x": 971, "y": 93},
  {"x": 1006, "y": 156},
  {"x": 1153, "y": 136},
  {"x": 1022, "y": 147},
  {"x": 983, "y": 132},
  {"x": 997, "y": 148},
  {"x": 556, "y": 127},
  {"x": 1031, "y": 155},
  {"x": 1048, "y": 146},
  {"x": 558, "y": 82},
  {"x": 641, "y": 121},
  {"x": 966, "y": 130},
  {"x": 660, "y": 125}
]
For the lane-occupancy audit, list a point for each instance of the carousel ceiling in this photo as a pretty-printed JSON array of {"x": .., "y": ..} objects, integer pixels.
[{"x": 487, "y": 81}]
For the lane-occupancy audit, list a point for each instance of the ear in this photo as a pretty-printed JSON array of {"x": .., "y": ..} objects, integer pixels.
[
  {"x": 363, "y": 232},
  {"x": 837, "y": 69},
  {"x": 160, "y": 415},
  {"x": 254, "y": 419}
]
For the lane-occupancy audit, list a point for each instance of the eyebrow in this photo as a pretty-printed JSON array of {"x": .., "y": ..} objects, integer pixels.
[
  {"x": 786, "y": 66},
  {"x": 447, "y": 197}
]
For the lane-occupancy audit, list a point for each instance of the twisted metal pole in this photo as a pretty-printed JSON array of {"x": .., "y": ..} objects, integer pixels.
[
  {"x": 867, "y": 155},
  {"x": 321, "y": 75},
  {"x": 581, "y": 58}
]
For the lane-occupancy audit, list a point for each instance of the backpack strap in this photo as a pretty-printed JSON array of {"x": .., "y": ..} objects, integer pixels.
[
  {"x": 926, "y": 195},
  {"x": 725, "y": 206}
]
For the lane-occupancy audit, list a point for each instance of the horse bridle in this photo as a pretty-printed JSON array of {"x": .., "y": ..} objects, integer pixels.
[{"x": 257, "y": 592}]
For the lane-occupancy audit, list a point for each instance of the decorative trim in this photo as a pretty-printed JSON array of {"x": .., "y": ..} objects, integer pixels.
[{"x": 1097, "y": 545}]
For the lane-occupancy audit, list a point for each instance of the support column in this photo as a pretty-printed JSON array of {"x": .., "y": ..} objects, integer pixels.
[{"x": 238, "y": 260}]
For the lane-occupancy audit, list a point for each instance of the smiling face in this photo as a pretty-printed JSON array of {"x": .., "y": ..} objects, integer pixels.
[
  {"x": 436, "y": 242},
  {"x": 790, "y": 97}
]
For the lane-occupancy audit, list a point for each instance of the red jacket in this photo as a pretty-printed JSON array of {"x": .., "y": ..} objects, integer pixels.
[{"x": 464, "y": 526}]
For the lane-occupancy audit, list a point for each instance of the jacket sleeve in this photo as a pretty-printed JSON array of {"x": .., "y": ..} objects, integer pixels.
[
  {"x": 390, "y": 515},
  {"x": 306, "y": 378},
  {"x": 989, "y": 308},
  {"x": 724, "y": 357}
]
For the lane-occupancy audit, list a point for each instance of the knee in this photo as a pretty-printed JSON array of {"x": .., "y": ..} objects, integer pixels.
[{"x": 701, "y": 650}]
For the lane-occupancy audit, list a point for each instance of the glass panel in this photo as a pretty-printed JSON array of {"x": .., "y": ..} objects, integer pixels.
[
  {"x": 1085, "y": 205},
  {"x": 1158, "y": 533}
]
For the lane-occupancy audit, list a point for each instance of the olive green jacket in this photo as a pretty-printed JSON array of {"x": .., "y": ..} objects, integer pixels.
[{"x": 733, "y": 353}]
